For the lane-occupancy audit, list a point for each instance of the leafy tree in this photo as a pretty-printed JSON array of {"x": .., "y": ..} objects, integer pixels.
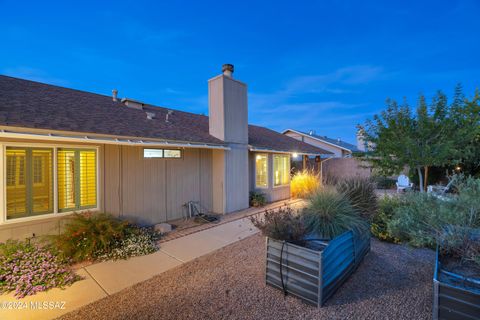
[{"x": 435, "y": 134}]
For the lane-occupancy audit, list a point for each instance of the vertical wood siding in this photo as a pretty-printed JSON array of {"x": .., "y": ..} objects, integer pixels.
[{"x": 154, "y": 190}]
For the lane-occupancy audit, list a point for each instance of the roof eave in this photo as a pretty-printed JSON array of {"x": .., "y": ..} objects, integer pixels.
[
  {"x": 316, "y": 138},
  {"x": 115, "y": 140},
  {"x": 267, "y": 150}
]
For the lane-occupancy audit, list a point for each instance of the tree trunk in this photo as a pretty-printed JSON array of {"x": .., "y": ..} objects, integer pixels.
[
  {"x": 425, "y": 182},
  {"x": 420, "y": 177}
]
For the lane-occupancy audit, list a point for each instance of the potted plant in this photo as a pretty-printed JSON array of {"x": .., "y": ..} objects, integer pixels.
[
  {"x": 311, "y": 252},
  {"x": 456, "y": 279}
]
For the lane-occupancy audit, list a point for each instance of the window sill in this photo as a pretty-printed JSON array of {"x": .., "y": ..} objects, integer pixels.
[{"x": 48, "y": 216}]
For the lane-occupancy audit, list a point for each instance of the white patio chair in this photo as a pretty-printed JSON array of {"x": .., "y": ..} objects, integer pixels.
[{"x": 403, "y": 183}]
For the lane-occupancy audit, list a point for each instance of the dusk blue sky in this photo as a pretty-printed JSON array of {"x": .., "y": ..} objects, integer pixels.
[{"x": 321, "y": 65}]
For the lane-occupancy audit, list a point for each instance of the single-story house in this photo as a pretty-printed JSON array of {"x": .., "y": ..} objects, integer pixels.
[
  {"x": 64, "y": 150},
  {"x": 339, "y": 148}
]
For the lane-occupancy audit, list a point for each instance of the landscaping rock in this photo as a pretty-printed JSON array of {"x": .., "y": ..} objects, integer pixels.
[{"x": 163, "y": 228}]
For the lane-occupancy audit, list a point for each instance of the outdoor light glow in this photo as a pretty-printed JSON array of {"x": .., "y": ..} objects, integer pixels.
[
  {"x": 294, "y": 154},
  {"x": 458, "y": 168}
]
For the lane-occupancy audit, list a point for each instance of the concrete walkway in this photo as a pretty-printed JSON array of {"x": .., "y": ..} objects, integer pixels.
[{"x": 106, "y": 278}]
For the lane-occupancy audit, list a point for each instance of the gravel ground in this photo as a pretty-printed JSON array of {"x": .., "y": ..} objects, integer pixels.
[{"x": 393, "y": 282}]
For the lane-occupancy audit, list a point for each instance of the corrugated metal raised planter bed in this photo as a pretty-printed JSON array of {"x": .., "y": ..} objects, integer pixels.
[
  {"x": 313, "y": 275},
  {"x": 454, "y": 296}
]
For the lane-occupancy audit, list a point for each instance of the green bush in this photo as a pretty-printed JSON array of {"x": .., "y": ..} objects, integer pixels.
[
  {"x": 422, "y": 216},
  {"x": 360, "y": 192},
  {"x": 415, "y": 221},
  {"x": 283, "y": 224},
  {"x": 386, "y": 210},
  {"x": 85, "y": 236},
  {"x": 257, "y": 199},
  {"x": 100, "y": 236},
  {"x": 329, "y": 213}
]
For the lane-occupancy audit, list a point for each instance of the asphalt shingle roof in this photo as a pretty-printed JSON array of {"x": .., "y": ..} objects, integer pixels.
[
  {"x": 35, "y": 105},
  {"x": 336, "y": 142}
]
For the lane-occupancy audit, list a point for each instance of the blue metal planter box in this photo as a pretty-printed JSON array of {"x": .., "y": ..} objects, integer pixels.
[
  {"x": 314, "y": 275},
  {"x": 454, "y": 296}
]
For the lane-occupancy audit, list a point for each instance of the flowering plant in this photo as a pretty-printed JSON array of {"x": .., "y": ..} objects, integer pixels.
[{"x": 27, "y": 269}]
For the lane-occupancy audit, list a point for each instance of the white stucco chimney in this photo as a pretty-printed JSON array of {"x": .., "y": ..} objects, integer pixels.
[
  {"x": 228, "y": 121},
  {"x": 227, "y": 107}
]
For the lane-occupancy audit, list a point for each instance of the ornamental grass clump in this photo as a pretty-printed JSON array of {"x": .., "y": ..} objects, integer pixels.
[
  {"x": 305, "y": 183},
  {"x": 329, "y": 214},
  {"x": 27, "y": 269},
  {"x": 360, "y": 192}
]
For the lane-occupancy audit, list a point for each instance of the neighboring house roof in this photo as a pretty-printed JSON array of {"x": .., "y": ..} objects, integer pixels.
[
  {"x": 334, "y": 142},
  {"x": 35, "y": 105},
  {"x": 264, "y": 138}
]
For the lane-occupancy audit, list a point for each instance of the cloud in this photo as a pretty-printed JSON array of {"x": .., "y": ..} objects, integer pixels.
[
  {"x": 34, "y": 74},
  {"x": 316, "y": 101},
  {"x": 341, "y": 81}
]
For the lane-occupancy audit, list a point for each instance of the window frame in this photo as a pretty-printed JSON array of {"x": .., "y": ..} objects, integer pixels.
[
  {"x": 56, "y": 213},
  {"x": 163, "y": 154},
  {"x": 78, "y": 194},
  {"x": 268, "y": 170},
  {"x": 28, "y": 180},
  {"x": 288, "y": 171}
]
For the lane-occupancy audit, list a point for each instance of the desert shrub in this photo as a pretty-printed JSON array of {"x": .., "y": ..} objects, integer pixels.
[
  {"x": 329, "y": 213},
  {"x": 137, "y": 242},
  {"x": 415, "y": 222},
  {"x": 257, "y": 199},
  {"x": 27, "y": 269},
  {"x": 361, "y": 194},
  {"x": 468, "y": 199},
  {"x": 85, "y": 236},
  {"x": 304, "y": 184},
  {"x": 421, "y": 217},
  {"x": 282, "y": 224},
  {"x": 386, "y": 210},
  {"x": 461, "y": 244}
]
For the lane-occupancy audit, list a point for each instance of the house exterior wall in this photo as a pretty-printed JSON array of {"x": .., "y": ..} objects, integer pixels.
[
  {"x": 337, "y": 152},
  {"x": 150, "y": 191},
  {"x": 271, "y": 193},
  {"x": 146, "y": 191}
]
